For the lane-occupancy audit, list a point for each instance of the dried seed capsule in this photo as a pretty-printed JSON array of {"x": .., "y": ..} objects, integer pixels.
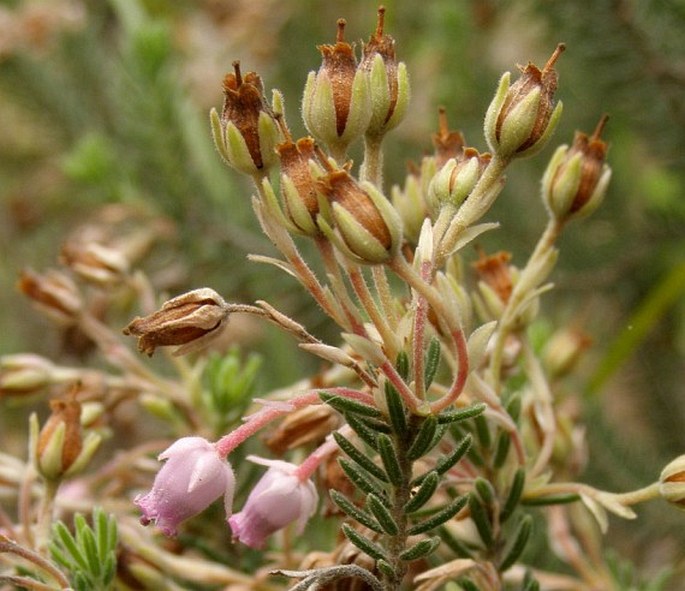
[
  {"x": 247, "y": 132},
  {"x": 522, "y": 116},
  {"x": 298, "y": 184},
  {"x": 61, "y": 449},
  {"x": 389, "y": 82},
  {"x": 367, "y": 227},
  {"x": 336, "y": 106},
  {"x": 576, "y": 178},
  {"x": 189, "y": 321}
]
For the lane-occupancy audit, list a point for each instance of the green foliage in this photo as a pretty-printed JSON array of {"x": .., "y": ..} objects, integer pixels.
[
  {"x": 88, "y": 554},
  {"x": 628, "y": 578},
  {"x": 228, "y": 387},
  {"x": 432, "y": 361},
  {"x": 360, "y": 458}
]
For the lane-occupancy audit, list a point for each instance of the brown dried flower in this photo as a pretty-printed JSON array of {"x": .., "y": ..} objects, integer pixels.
[
  {"x": 53, "y": 293},
  {"x": 494, "y": 271},
  {"x": 188, "y": 321},
  {"x": 311, "y": 424}
]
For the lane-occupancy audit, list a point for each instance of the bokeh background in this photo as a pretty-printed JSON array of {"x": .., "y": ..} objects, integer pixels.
[{"x": 103, "y": 110}]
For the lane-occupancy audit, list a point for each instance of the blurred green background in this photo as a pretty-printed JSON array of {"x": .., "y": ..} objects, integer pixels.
[{"x": 106, "y": 102}]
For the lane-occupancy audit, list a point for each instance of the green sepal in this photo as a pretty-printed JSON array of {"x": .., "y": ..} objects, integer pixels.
[
  {"x": 454, "y": 416},
  {"x": 345, "y": 405},
  {"x": 358, "y": 478},
  {"x": 364, "y": 544},
  {"x": 502, "y": 445},
  {"x": 382, "y": 515},
  {"x": 454, "y": 544},
  {"x": 424, "y": 439},
  {"x": 391, "y": 462},
  {"x": 362, "y": 244},
  {"x": 483, "y": 431},
  {"x": 490, "y": 123},
  {"x": 358, "y": 456},
  {"x": 481, "y": 519},
  {"x": 518, "y": 544},
  {"x": 514, "y": 496},
  {"x": 440, "y": 517},
  {"x": 396, "y": 410},
  {"x": 563, "y": 499},
  {"x": 351, "y": 510},
  {"x": 432, "y": 361},
  {"x": 420, "y": 549},
  {"x": 484, "y": 490},
  {"x": 423, "y": 493},
  {"x": 402, "y": 365}
]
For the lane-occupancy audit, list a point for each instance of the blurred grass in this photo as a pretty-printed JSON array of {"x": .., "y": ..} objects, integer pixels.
[{"x": 109, "y": 105}]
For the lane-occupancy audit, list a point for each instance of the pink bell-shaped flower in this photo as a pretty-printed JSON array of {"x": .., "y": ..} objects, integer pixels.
[
  {"x": 278, "y": 499},
  {"x": 192, "y": 478}
]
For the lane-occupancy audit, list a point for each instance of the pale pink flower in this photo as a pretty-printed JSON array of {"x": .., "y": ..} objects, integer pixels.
[
  {"x": 278, "y": 499},
  {"x": 192, "y": 478}
]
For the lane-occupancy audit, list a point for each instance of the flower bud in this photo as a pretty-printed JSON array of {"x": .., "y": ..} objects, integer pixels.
[
  {"x": 576, "y": 178},
  {"x": 53, "y": 293},
  {"x": 246, "y": 134},
  {"x": 188, "y": 321},
  {"x": 522, "y": 116},
  {"x": 24, "y": 374},
  {"x": 60, "y": 448},
  {"x": 672, "y": 482},
  {"x": 192, "y": 478},
  {"x": 456, "y": 179},
  {"x": 411, "y": 207},
  {"x": 563, "y": 351},
  {"x": 336, "y": 106},
  {"x": 298, "y": 184},
  {"x": 278, "y": 499},
  {"x": 388, "y": 81},
  {"x": 367, "y": 227}
]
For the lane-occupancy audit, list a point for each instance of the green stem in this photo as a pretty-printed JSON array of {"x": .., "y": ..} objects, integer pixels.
[
  {"x": 372, "y": 166},
  {"x": 646, "y": 493},
  {"x": 518, "y": 295},
  {"x": 361, "y": 289},
  {"x": 46, "y": 513}
]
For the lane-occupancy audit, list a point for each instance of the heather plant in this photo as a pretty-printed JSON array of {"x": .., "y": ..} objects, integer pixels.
[{"x": 434, "y": 448}]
